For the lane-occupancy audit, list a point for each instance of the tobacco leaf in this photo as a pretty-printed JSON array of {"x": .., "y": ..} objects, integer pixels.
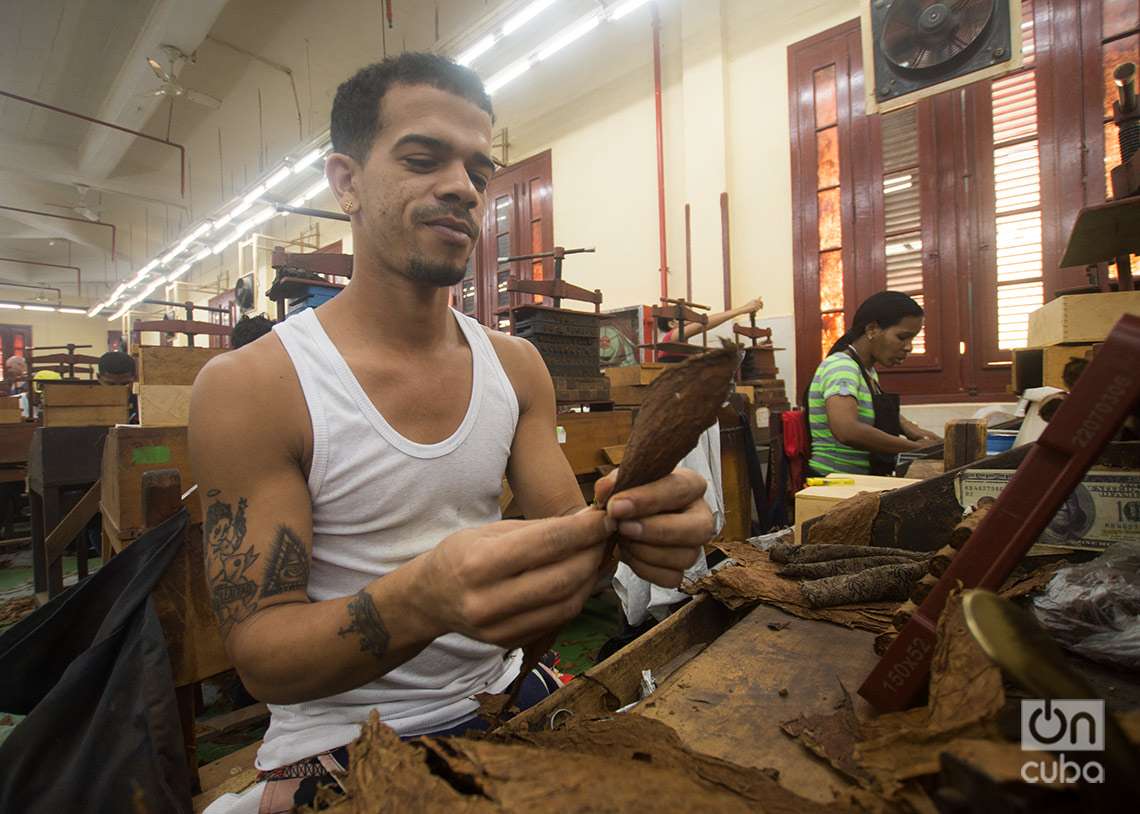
[
  {"x": 622, "y": 764},
  {"x": 754, "y": 579},
  {"x": 678, "y": 406},
  {"x": 848, "y": 522},
  {"x": 883, "y": 753}
]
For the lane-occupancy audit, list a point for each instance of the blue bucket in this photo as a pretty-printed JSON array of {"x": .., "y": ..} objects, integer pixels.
[{"x": 999, "y": 441}]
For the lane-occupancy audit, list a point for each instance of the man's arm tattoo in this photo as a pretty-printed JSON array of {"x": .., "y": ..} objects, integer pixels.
[
  {"x": 228, "y": 560},
  {"x": 365, "y": 621},
  {"x": 288, "y": 568}
]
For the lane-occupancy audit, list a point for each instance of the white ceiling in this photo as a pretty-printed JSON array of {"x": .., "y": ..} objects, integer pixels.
[{"x": 88, "y": 56}]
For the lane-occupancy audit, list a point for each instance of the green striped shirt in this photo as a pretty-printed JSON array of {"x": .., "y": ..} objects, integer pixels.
[{"x": 838, "y": 375}]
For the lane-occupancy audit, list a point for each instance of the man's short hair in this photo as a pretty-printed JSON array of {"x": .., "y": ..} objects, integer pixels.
[
  {"x": 116, "y": 363},
  {"x": 249, "y": 329},
  {"x": 356, "y": 108}
]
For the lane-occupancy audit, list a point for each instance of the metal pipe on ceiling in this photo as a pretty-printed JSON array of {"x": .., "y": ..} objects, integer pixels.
[
  {"x": 78, "y": 273},
  {"x": 58, "y": 292},
  {"x": 92, "y": 120},
  {"x": 111, "y": 226}
]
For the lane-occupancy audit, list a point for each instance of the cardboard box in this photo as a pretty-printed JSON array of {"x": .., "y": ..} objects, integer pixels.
[
  {"x": 173, "y": 366},
  {"x": 164, "y": 405},
  {"x": 1080, "y": 317},
  {"x": 1102, "y": 510},
  {"x": 1038, "y": 367},
  {"x": 584, "y": 436},
  {"x": 69, "y": 404},
  {"x": 816, "y": 500}
]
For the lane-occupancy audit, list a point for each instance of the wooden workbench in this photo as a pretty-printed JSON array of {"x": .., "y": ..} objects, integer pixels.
[
  {"x": 15, "y": 441},
  {"x": 63, "y": 463}
]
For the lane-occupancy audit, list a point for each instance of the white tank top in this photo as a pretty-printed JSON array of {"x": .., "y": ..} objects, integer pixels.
[{"x": 378, "y": 501}]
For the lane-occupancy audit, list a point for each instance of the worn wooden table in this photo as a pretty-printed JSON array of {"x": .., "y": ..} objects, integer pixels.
[{"x": 63, "y": 464}]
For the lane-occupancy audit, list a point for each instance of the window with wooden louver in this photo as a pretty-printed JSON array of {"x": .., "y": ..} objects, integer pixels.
[{"x": 963, "y": 200}]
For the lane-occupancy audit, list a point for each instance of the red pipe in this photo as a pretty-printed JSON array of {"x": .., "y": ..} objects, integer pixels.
[
  {"x": 111, "y": 226},
  {"x": 660, "y": 148},
  {"x": 113, "y": 126},
  {"x": 78, "y": 273}
]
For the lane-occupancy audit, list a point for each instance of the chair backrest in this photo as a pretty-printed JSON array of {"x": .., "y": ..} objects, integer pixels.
[{"x": 181, "y": 596}]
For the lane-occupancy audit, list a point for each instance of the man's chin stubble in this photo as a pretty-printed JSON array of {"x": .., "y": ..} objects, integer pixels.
[{"x": 440, "y": 275}]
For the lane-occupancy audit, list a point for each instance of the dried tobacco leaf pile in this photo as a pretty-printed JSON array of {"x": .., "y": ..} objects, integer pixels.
[{"x": 622, "y": 764}]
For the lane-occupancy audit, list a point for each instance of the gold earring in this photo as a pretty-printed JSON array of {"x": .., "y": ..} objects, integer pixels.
[{"x": 349, "y": 206}]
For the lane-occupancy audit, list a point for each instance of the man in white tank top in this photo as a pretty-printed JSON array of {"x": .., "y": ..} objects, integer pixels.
[{"x": 351, "y": 461}]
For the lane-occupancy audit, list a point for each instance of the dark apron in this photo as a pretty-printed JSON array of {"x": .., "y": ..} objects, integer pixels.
[{"x": 887, "y": 419}]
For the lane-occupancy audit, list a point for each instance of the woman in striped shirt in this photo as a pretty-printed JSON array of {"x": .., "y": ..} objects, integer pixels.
[{"x": 855, "y": 427}]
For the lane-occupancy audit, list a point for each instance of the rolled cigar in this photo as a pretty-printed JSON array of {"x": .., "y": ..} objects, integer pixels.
[
  {"x": 831, "y": 568},
  {"x": 881, "y": 584},
  {"x": 782, "y": 552},
  {"x": 833, "y": 551},
  {"x": 963, "y": 530},
  {"x": 923, "y": 588},
  {"x": 903, "y": 614},
  {"x": 941, "y": 560}
]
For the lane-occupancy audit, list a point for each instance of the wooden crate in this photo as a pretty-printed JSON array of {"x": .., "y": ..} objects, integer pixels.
[
  {"x": 816, "y": 500},
  {"x": 164, "y": 405},
  {"x": 583, "y": 437},
  {"x": 1080, "y": 317},
  {"x": 1037, "y": 367},
  {"x": 628, "y": 395},
  {"x": 128, "y": 452},
  {"x": 10, "y": 412},
  {"x": 173, "y": 366},
  {"x": 84, "y": 405},
  {"x": 629, "y": 375},
  {"x": 581, "y": 389}
]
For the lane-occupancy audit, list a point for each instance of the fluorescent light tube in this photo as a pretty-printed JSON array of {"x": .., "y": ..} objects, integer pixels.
[
  {"x": 12, "y": 306},
  {"x": 524, "y": 17},
  {"x": 277, "y": 178},
  {"x": 308, "y": 159},
  {"x": 508, "y": 74},
  {"x": 477, "y": 50},
  {"x": 568, "y": 35},
  {"x": 174, "y": 275},
  {"x": 50, "y": 308},
  {"x": 166, "y": 260},
  {"x": 90, "y": 313},
  {"x": 72, "y": 311},
  {"x": 202, "y": 255},
  {"x": 252, "y": 196},
  {"x": 625, "y": 8}
]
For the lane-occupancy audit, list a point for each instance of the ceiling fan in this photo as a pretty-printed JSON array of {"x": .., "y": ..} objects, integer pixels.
[
  {"x": 80, "y": 207},
  {"x": 170, "y": 86}
]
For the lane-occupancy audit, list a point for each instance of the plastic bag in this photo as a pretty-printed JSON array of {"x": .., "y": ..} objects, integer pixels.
[{"x": 1094, "y": 608}]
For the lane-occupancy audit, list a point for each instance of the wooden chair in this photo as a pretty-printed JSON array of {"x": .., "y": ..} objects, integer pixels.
[{"x": 192, "y": 638}]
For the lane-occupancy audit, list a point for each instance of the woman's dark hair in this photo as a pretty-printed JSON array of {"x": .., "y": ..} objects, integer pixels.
[
  {"x": 885, "y": 309},
  {"x": 116, "y": 363},
  {"x": 664, "y": 324}
]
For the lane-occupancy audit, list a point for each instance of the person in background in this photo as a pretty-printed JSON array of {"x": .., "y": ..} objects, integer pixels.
[
  {"x": 16, "y": 375},
  {"x": 855, "y": 427},
  {"x": 118, "y": 368},
  {"x": 248, "y": 329},
  {"x": 668, "y": 332}
]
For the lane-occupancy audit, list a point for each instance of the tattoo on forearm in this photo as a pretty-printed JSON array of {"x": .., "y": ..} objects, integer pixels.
[
  {"x": 365, "y": 621},
  {"x": 288, "y": 566},
  {"x": 228, "y": 560}
]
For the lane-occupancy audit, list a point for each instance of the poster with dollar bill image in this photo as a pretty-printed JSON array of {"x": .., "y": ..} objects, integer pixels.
[{"x": 1102, "y": 510}]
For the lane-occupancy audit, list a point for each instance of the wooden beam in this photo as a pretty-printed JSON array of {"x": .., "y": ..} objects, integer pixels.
[{"x": 71, "y": 525}]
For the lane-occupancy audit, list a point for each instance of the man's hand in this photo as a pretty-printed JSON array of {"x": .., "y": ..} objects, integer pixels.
[
  {"x": 662, "y": 524},
  {"x": 509, "y": 582}
]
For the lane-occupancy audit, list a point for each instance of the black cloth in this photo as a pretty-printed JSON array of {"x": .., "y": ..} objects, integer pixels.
[
  {"x": 888, "y": 418},
  {"x": 92, "y": 673}
]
